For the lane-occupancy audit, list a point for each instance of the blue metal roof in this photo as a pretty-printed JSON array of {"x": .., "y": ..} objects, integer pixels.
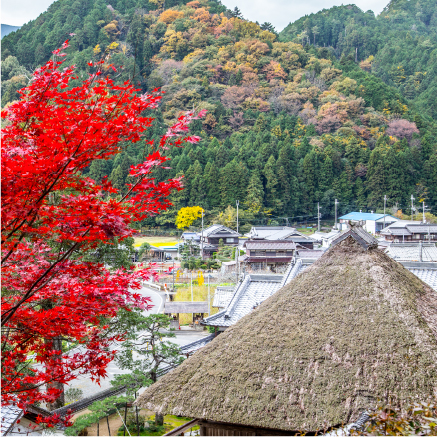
[{"x": 363, "y": 216}]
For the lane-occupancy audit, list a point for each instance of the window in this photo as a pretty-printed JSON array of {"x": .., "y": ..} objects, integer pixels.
[
  {"x": 259, "y": 253},
  {"x": 229, "y": 240}
]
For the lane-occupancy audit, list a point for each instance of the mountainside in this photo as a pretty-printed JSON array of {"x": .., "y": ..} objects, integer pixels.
[
  {"x": 287, "y": 125},
  {"x": 399, "y": 45},
  {"x": 7, "y": 29}
]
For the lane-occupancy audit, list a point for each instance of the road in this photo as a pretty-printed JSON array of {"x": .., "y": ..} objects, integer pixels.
[{"x": 90, "y": 388}]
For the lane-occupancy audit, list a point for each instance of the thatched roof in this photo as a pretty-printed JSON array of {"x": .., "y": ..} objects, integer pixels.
[{"x": 356, "y": 327}]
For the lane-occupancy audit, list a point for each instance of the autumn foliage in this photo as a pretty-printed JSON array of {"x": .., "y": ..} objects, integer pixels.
[{"x": 52, "y": 216}]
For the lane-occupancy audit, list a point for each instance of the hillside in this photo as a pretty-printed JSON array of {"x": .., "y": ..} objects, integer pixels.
[
  {"x": 287, "y": 125},
  {"x": 399, "y": 45}
]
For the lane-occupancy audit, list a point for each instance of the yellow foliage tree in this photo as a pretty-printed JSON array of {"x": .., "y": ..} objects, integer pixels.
[
  {"x": 186, "y": 216},
  {"x": 200, "y": 278},
  {"x": 170, "y": 15}
]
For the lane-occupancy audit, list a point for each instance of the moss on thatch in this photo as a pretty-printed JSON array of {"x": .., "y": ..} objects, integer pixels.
[{"x": 355, "y": 328}]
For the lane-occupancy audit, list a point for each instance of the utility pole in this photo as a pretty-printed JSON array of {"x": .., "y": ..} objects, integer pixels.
[
  {"x": 191, "y": 280},
  {"x": 336, "y": 203},
  {"x": 423, "y": 215},
  {"x": 237, "y": 266},
  {"x": 173, "y": 275},
  {"x": 318, "y": 216},
  {"x": 237, "y": 202},
  {"x": 412, "y": 207},
  {"x": 209, "y": 297},
  {"x": 201, "y": 240},
  {"x": 385, "y": 201}
]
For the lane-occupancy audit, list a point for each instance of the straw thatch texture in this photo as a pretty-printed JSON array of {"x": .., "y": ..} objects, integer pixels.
[{"x": 356, "y": 327}]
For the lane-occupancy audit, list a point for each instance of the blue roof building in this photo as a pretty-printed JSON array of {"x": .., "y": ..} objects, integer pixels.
[{"x": 370, "y": 221}]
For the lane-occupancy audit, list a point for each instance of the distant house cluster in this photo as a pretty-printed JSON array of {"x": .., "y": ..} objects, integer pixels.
[{"x": 310, "y": 351}]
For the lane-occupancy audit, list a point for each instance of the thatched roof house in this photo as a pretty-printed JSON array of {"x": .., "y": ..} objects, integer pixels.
[{"x": 355, "y": 328}]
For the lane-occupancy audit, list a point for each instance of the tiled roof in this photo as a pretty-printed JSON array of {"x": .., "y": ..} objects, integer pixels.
[
  {"x": 273, "y": 233},
  {"x": 366, "y": 240},
  {"x": 213, "y": 229},
  {"x": 429, "y": 276},
  {"x": 192, "y": 347},
  {"x": 422, "y": 229},
  {"x": 410, "y": 252},
  {"x": 262, "y": 232},
  {"x": 324, "y": 235},
  {"x": 281, "y": 235},
  {"x": 308, "y": 253},
  {"x": 268, "y": 244},
  {"x": 253, "y": 290},
  {"x": 9, "y": 415},
  {"x": 190, "y": 236},
  {"x": 396, "y": 231},
  {"x": 222, "y": 296},
  {"x": 185, "y": 307}
]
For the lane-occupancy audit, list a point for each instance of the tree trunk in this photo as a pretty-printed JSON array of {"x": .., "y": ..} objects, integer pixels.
[{"x": 60, "y": 402}]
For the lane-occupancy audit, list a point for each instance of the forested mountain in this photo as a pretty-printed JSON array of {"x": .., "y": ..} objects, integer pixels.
[
  {"x": 399, "y": 45},
  {"x": 7, "y": 29},
  {"x": 288, "y": 125}
]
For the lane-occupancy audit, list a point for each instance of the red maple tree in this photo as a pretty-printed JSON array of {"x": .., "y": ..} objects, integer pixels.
[{"x": 52, "y": 215}]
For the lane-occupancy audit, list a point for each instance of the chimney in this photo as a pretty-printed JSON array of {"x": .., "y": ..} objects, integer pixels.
[
  {"x": 361, "y": 210},
  {"x": 371, "y": 212}
]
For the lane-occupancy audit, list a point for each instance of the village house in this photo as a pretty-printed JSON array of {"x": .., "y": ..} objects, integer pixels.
[
  {"x": 370, "y": 221},
  {"x": 277, "y": 233},
  {"x": 215, "y": 233},
  {"x": 407, "y": 230},
  {"x": 263, "y": 254},
  {"x": 325, "y": 239},
  {"x": 316, "y": 355}
]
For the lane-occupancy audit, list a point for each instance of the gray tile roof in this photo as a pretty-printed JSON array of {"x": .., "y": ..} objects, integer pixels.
[
  {"x": 214, "y": 229},
  {"x": 222, "y": 296},
  {"x": 429, "y": 276},
  {"x": 253, "y": 290},
  {"x": 358, "y": 234},
  {"x": 262, "y": 232},
  {"x": 185, "y": 307},
  {"x": 396, "y": 231},
  {"x": 190, "y": 348},
  {"x": 268, "y": 244},
  {"x": 9, "y": 415},
  {"x": 410, "y": 252},
  {"x": 422, "y": 228},
  {"x": 308, "y": 253}
]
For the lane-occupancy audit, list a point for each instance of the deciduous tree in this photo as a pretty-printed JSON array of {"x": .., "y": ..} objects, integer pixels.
[{"x": 52, "y": 216}]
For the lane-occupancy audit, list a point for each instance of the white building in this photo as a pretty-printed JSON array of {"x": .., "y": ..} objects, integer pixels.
[{"x": 370, "y": 221}]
